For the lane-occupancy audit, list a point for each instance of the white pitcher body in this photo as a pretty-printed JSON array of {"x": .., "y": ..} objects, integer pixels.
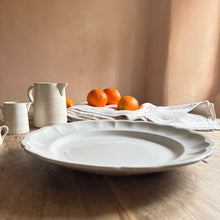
[{"x": 49, "y": 103}]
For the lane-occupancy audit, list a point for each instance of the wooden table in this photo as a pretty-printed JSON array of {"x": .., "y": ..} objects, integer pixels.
[{"x": 34, "y": 189}]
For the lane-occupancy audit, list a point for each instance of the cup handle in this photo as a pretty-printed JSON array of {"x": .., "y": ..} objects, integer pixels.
[
  {"x": 30, "y": 94},
  {"x": 5, "y": 131},
  {"x": 0, "y": 119}
]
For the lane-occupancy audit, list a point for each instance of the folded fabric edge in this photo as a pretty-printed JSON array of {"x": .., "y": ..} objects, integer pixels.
[{"x": 204, "y": 108}]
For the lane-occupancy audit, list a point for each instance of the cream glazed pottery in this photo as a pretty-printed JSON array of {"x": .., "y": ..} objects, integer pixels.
[
  {"x": 118, "y": 147},
  {"x": 3, "y": 133},
  {"x": 15, "y": 116},
  {"x": 49, "y": 103}
]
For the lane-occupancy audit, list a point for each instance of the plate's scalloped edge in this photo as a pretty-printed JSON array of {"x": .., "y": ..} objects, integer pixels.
[{"x": 114, "y": 170}]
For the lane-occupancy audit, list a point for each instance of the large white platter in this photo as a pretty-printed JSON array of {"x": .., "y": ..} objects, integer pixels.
[{"x": 118, "y": 147}]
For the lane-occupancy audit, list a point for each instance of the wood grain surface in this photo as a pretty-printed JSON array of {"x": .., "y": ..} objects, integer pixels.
[{"x": 34, "y": 189}]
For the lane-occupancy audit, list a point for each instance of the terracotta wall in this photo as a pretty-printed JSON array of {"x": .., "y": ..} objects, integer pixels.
[
  {"x": 193, "y": 65},
  {"x": 164, "y": 52}
]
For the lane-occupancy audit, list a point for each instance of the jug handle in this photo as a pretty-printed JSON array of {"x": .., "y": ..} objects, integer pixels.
[
  {"x": 30, "y": 94},
  {"x": 5, "y": 131},
  {"x": 1, "y": 107}
]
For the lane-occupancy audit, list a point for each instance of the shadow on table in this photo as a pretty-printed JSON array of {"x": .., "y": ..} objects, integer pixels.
[{"x": 33, "y": 188}]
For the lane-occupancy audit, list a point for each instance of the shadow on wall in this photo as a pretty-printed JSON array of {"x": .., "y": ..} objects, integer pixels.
[
  {"x": 158, "y": 53},
  {"x": 173, "y": 56},
  {"x": 192, "y": 70},
  {"x": 146, "y": 56}
]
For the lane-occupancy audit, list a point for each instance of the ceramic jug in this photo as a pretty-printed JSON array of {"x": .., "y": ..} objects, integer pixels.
[
  {"x": 15, "y": 116},
  {"x": 49, "y": 103}
]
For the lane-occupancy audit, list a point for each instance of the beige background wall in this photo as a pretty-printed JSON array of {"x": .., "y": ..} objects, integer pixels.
[{"x": 164, "y": 52}]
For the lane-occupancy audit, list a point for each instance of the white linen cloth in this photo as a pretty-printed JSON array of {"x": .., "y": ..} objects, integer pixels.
[{"x": 197, "y": 116}]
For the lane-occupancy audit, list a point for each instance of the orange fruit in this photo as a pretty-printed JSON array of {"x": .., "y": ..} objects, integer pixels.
[
  {"x": 113, "y": 96},
  {"x": 97, "y": 98},
  {"x": 128, "y": 103},
  {"x": 69, "y": 102}
]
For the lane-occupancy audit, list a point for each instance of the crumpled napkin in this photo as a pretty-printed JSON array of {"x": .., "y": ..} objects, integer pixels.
[{"x": 196, "y": 116}]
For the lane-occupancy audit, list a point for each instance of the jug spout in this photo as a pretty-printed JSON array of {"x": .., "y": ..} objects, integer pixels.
[
  {"x": 61, "y": 87},
  {"x": 28, "y": 105}
]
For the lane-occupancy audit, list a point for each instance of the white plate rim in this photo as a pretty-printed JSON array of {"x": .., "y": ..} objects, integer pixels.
[{"x": 118, "y": 170}]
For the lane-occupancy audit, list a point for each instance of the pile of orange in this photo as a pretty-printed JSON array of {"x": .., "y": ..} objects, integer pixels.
[{"x": 111, "y": 96}]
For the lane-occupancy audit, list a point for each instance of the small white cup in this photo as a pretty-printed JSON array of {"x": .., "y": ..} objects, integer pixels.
[
  {"x": 3, "y": 133},
  {"x": 15, "y": 116}
]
